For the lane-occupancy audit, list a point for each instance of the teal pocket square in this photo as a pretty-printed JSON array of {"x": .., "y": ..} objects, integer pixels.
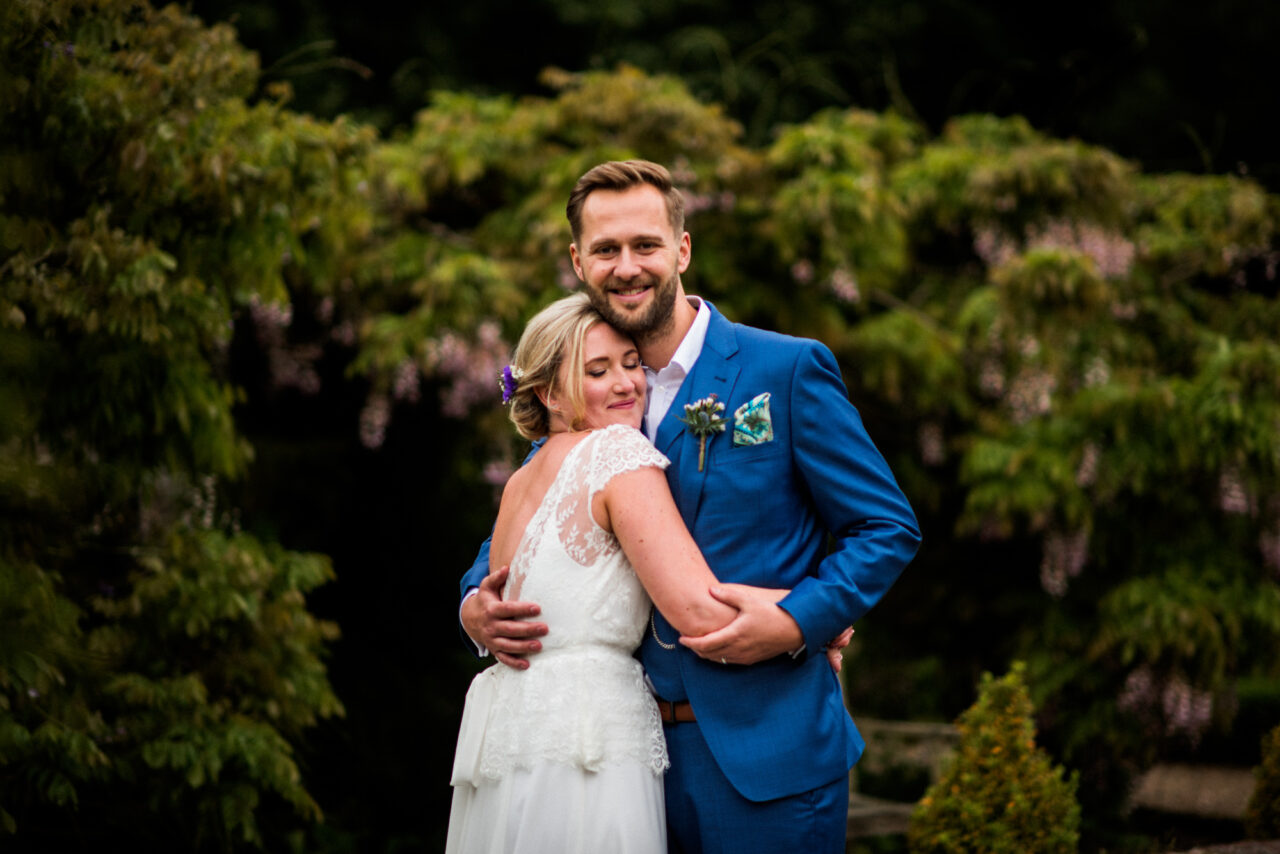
[{"x": 752, "y": 424}]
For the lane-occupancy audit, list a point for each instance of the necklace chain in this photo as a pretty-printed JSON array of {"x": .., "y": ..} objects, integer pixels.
[{"x": 653, "y": 627}]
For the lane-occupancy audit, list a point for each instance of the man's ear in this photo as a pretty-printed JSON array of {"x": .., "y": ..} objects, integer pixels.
[{"x": 577, "y": 262}]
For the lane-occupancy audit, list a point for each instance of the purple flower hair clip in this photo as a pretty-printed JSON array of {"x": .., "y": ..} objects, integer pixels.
[{"x": 509, "y": 382}]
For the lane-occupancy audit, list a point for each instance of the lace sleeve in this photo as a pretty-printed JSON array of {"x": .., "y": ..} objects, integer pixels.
[{"x": 619, "y": 449}]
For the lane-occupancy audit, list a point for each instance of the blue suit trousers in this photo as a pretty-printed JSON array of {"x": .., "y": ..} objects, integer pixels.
[{"x": 707, "y": 815}]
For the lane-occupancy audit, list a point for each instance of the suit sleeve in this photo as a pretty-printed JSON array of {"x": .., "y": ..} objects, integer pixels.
[
  {"x": 479, "y": 569},
  {"x": 874, "y": 530}
]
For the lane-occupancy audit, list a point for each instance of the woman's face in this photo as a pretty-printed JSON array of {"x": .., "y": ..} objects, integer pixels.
[{"x": 613, "y": 384}]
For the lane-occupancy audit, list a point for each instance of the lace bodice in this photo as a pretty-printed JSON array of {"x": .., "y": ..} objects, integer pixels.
[{"x": 583, "y": 699}]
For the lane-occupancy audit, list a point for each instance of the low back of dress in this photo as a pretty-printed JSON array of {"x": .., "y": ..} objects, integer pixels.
[
  {"x": 573, "y": 568},
  {"x": 583, "y": 699}
]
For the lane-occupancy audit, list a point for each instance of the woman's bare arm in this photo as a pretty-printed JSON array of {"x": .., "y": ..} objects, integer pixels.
[{"x": 638, "y": 508}]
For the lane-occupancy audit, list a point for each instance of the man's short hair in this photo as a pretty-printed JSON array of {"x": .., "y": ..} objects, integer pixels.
[{"x": 623, "y": 175}]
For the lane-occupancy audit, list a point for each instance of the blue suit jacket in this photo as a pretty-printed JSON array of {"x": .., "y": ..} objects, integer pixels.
[{"x": 762, "y": 515}]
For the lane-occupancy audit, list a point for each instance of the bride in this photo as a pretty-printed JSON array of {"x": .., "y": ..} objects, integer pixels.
[{"x": 568, "y": 754}]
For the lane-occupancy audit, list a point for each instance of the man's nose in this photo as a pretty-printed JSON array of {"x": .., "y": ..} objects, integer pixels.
[{"x": 628, "y": 266}]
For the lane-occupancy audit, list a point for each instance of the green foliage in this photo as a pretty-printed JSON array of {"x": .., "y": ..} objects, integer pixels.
[
  {"x": 1070, "y": 365},
  {"x": 999, "y": 792},
  {"x": 1262, "y": 816},
  {"x": 154, "y": 661}
]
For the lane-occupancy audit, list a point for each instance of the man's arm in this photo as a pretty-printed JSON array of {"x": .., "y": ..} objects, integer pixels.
[
  {"x": 874, "y": 530},
  {"x": 490, "y": 624},
  {"x": 498, "y": 626},
  {"x": 861, "y": 506}
]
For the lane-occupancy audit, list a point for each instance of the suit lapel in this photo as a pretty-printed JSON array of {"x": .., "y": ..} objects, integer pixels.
[{"x": 713, "y": 373}]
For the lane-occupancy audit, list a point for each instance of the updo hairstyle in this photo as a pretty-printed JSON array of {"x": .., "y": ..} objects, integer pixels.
[{"x": 553, "y": 338}]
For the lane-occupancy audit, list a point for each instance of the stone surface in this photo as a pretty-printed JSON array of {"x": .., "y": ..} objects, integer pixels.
[
  {"x": 1252, "y": 847},
  {"x": 1209, "y": 791}
]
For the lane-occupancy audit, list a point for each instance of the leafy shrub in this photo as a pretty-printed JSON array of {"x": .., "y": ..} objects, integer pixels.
[
  {"x": 999, "y": 792},
  {"x": 1262, "y": 817}
]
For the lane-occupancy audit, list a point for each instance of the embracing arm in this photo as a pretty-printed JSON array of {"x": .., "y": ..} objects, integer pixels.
[
  {"x": 487, "y": 621},
  {"x": 874, "y": 530},
  {"x": 638, "y": 508}
]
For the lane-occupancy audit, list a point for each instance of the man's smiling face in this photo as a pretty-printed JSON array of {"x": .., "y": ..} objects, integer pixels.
[{"x": 630, "y": 259}]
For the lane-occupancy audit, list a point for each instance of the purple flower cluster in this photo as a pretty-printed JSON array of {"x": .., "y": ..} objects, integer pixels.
[
  {"x": 374, "y": 419},
  {"x": 289, "y": 366},
  {"x": 844, "y": 284},
  {"x": 1111, "y": 252},
  {"x": 1064, "y": 557},
  {"x": 470, "y": 367},
  {"x": 509, "y": 384},
  {"x": 932, "y": 448},
  {"x": 1233, "y": 497},
  {"x": 1031, "y": 395},
  {"x": 406, "y": 385},
  {"x": 1087, "y": 471},
  {"x": 1180, "y": 707}
]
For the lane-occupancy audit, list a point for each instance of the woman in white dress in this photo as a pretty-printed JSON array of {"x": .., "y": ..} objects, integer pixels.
[{"x": 568, "y": 754}]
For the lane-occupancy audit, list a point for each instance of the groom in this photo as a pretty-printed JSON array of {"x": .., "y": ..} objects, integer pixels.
[{"x": 759, "y": 739}]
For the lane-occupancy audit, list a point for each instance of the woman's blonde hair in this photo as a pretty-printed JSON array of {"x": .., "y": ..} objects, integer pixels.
[{"x": 552, "y": 339}]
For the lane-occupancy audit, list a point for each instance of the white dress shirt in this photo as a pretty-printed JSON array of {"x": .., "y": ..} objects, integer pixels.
[{"x": 665, "y": 384}]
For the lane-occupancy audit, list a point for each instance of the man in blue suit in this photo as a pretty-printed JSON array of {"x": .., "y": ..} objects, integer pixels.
[{"x": 791, "y": 494}]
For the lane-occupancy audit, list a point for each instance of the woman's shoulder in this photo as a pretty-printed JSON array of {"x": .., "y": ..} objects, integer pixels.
[
  {"x": 623, "y": 433},
  {"x": 621, "y": 436},
  {"x": 619, "y": 448}
]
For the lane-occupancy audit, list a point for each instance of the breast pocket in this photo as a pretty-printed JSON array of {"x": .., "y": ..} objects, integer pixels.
[
  {"x": 752, "y": 474},
  {"x": 728, "y": 454}
]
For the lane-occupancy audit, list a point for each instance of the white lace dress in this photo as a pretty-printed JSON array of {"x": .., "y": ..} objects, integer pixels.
[{"x": 568, "y": 755}]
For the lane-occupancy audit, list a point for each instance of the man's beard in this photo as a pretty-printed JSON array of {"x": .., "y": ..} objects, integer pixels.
[{"x": 644, "y": 325}]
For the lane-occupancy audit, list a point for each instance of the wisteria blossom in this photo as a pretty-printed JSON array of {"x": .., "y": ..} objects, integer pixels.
[
  {"x": 1063, "y": 559},
  {"x": 374, "y": 419},
  {"x": 1233, "y": 498},
  {"x": 932, "y": 448},
  {"x": 287, "y": 366},
  {"x": 1087, "y": 471},
  {"x": 406, "y": 385},
  {"x": 1112, "y": 253},
  {"x": 469, "y": 367},
  {"x": 1183, "y": 709},
  {"x": 1031, "y": 395},
  {"x": 844, "y": 284}
]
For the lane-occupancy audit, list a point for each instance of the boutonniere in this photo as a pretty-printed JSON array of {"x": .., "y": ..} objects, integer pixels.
[{"x": 705, "y": 418}]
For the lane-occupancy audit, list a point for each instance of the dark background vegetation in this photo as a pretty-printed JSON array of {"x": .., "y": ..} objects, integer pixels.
[
  {"x": 1171, "y": 86},
  {"x": 1174, "y": 85}
]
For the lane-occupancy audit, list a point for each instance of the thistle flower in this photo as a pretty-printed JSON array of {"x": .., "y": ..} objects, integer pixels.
[{"x": 704, "y": 418}]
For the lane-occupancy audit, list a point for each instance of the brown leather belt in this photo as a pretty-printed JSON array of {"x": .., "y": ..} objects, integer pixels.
[{"x": 675, "y": 712}]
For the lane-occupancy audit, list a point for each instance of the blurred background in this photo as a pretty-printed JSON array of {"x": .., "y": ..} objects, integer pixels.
[{"x": 261, "y": 263}]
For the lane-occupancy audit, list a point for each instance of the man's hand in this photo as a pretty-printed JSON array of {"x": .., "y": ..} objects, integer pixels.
[
  {"x": 761, "y": 630},
  {"x": 497, "y": 625},
  {"x": 835, "y": 654}
]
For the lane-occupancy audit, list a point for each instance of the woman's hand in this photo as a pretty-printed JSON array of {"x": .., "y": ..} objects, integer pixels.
[{"x": 760, "y": 631}]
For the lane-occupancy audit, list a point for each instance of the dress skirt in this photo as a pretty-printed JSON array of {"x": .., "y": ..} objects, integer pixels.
[{"x": 555, "y": 808}]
